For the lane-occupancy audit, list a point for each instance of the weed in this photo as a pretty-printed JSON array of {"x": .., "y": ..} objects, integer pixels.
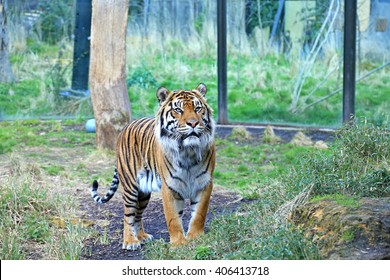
[
  {"x": 24, "y": 208},
  {"x": 104, "y": 238},
  {"x": 36, "y": 227},
  {"x": 71, "y": 243},
  {"x": 54, "y": 170},
  {"x": 203, "y": 253},
  {"x": 348, "y": 236}
]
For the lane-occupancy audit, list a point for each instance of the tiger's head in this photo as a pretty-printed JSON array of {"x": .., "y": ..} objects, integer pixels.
[{"x": 184, "y": 118}]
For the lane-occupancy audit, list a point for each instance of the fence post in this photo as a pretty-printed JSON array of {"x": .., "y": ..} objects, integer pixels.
[
  {"x": 349, "y": 78},
  {"x": 81, "y": 50},
  {"x": 222, "y": 63}
]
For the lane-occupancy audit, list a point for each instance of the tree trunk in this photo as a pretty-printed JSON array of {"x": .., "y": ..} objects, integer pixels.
[
  {"x": 6, "y": 74},
  {"x": 108, "y": 70}
]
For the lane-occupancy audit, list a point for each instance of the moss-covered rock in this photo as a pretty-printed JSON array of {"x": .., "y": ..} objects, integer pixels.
[{"x": 356, "y": 229}]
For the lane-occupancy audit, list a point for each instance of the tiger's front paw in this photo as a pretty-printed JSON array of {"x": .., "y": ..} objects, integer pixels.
[
  {"x": 131, "y": 246},
  {"x": 145, "y": 238},
  {"x": 192, "y": 234},
  {"x": 178, "y": 241}
]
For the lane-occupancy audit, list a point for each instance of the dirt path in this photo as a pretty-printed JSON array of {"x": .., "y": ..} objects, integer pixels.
[{"x": 108, "y": 220}]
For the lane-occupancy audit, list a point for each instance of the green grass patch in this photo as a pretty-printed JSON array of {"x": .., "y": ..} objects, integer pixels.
[
  {"x": 17, "y": 99},
  {"x": 33, "y": 133},
  {"x": 340, "y": 199},
  {"x": 243, "y": 166},
  {"x": 54, "y": 170}
]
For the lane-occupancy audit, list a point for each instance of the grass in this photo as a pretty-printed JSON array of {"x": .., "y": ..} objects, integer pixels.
[
  {"x": 34, "y": 133},
  {"x": 237, "y": 162},
  {"x": 259, "y": 92},
  {"x": 348, "y": 201},
  {"x": 249, "y": 234},
  {"x": 27, "y": 204},
  {"x": 356, "y": 165},
  {"x": 262, "y": 93}
]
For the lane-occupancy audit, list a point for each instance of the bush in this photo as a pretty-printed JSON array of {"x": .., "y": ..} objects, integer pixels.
[
  {"x": 357, "y": 164},
  {"x": 55, "y": 21}
]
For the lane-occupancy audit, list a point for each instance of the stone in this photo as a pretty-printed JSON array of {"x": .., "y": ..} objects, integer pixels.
[{"x": 353, "y": 231}]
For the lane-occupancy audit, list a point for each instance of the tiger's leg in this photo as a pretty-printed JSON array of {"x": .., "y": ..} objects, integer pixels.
[
  {"x": 130, "y": 239},
  {"x": 143, "y": 200},
  {"x": 173, "y": 209},
  {"x": 130, "y": 191},
  {"x": 199, "y": 207}
]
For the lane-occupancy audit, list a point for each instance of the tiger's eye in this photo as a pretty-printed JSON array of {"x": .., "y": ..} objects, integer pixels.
[{"x": 178, "y": 110}]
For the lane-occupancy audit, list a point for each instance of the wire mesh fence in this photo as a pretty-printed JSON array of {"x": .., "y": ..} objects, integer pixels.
[{"x": 284, "y": 59}]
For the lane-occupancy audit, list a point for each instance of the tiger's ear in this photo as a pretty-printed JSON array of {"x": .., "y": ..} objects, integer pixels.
[
  {"x": 162, "y": 94},
  {"x": 202, "y": 89}
]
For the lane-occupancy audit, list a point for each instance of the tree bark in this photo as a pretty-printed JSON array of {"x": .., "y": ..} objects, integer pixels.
[
  {"x": 6, "y": 74},
  {"x": 109, "y": 95}
]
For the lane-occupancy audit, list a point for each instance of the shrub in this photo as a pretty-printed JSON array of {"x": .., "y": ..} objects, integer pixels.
[{"x": 357, "y": 164}]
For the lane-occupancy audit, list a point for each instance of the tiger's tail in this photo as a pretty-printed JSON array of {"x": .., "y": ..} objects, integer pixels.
[{"x": 109, "y": 194}]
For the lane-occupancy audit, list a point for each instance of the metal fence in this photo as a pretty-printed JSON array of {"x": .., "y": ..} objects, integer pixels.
[{"x": 277, "y": 62}]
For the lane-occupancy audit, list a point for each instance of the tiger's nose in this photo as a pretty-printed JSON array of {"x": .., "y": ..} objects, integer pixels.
[{"x": 192, "y": 123}]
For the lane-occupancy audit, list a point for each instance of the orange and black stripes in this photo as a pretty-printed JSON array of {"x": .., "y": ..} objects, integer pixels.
[{"x": 173, "y": 152}]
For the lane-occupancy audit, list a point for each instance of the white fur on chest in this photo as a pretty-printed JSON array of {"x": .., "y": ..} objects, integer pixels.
[
  {"x": 188, "y": 173},
  {"x": 188, "y": 181}
]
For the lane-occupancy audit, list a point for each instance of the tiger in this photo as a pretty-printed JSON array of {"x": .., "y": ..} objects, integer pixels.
[{"x": 173, "y": 153}]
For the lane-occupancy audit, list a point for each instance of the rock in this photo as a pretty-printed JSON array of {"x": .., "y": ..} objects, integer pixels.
[
  {"x": 301, "y": 139},
  {"x": 359, "y": 230}
]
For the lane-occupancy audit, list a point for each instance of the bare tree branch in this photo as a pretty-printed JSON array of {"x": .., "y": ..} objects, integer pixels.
[{"x": 309, "y": 63}]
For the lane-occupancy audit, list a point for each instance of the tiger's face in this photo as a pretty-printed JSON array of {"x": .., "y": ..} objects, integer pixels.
[{"x": 184, "y": 118}]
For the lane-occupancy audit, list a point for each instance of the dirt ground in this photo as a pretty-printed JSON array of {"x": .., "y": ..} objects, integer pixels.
[{"x": 222, "y": 202}]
